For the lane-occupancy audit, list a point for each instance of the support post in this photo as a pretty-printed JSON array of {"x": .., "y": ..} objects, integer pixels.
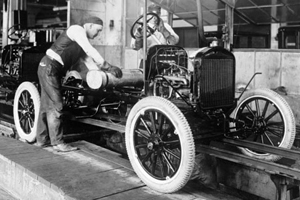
[
  {"x": 146, "y": 83},
  {"x": 229, "y": 26},
  {"x": 282, "y": 184},
  {"x": 68, "y": 13},
  {"x": 5, "y": 23},
  {"x": 203, "y": 41}
]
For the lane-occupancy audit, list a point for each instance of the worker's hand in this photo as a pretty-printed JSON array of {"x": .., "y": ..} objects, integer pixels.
[
  {"x": 161, "y": 26},
  {"x": 116, "y": 71},
  {"x": 138, "y": 33}
]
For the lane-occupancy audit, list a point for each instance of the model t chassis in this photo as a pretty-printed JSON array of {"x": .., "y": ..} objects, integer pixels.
[{"x": 164, "y": 110}]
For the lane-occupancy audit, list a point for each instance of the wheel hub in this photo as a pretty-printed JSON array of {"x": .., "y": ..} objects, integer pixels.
[
  {"x": 153, "y": 143},
  {"x": 150, "y": 145},
  {"x": 260, "y": 126}
]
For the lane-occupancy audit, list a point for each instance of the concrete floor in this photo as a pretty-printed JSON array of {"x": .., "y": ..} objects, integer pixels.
[{"x": 4, "y": 195}]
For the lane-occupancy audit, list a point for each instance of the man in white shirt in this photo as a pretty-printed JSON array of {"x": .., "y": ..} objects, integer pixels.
[
  {"x": 69, "y": 47},
  {"x": 163, "y": 33}
]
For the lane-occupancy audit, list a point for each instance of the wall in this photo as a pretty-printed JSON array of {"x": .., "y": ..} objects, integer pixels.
[
  {"x": 109, "y": 42},
  {"x": 278, "y": 67}
]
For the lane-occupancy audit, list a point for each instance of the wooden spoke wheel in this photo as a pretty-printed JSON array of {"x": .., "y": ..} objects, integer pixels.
[
  {"x": 268, "y": 119},
  {"x": 26, "y": 110},
  {"x": 160, "y": 144}
]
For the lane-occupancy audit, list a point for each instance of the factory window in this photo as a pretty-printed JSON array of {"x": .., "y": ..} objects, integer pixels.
[{"x": 289, "y": 37}]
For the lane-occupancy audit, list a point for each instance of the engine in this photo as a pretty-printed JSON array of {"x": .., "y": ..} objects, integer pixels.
[
  {"x": 10, "y": 61},
  {"x": 173, "y": 82},
  {"x": 210, "y": 84},
  {"x": 20, "y": 62},
  {"x": 168, "y": 72}
]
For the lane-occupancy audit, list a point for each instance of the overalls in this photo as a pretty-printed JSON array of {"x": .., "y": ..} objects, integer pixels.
[{"x": 50, "y": 72}]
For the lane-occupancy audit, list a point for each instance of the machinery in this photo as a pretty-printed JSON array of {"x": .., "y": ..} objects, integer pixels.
[{"x": 164, "y": 110}]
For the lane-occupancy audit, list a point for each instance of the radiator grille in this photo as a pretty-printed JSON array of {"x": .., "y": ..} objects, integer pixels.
[{"x": 217, "y": 79}]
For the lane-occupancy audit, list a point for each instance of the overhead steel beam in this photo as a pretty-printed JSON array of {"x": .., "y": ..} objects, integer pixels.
[{"x": 231, "y": 4}]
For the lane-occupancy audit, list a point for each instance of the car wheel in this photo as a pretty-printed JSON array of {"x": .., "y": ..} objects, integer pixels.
[
  {"x": 160, "y": 144},
  {"x": 268, "y": 119},
  {"x": 26, "y": 110}
]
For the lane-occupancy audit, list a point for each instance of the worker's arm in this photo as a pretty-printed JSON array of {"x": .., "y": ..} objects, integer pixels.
[
  {"x": 168, "y": 33},
  {"x": 78, "y": 34}
]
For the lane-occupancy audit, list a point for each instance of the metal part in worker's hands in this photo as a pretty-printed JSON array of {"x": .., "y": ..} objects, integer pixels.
[{"x": 97, "y": 79}]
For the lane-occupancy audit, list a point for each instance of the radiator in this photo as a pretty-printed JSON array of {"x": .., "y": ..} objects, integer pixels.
[{"x": 217, "y": 82}]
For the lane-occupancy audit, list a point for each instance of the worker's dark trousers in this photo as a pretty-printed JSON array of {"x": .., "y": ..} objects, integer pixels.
[{"x": 49, "y": 128}]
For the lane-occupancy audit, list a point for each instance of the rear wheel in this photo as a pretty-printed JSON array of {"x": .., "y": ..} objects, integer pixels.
[
  {"x": 26, "y": 110},
  {"x": 268, "y": 119},
  {"x": 160, "y": 144}
]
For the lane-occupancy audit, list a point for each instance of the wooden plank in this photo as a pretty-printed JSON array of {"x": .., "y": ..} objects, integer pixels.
[
  {"x": 19, "y": 149},
  {"x": 6, "y": 195},
  {"x": 30, "y": 158},
  {"x": 6, "y": 143},
  {"x": 65, "y": 171},
  {"x": 100, "y": 185},
  {"x": 97, "y": 151},
  {"x": 145, "y": 193},
  {"x": 75, "y": 167}
]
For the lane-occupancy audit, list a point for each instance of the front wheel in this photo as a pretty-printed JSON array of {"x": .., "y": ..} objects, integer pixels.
[
  {"x": 268, "y": 119},
  {"x": 26, "y": 110},
  {"x": 160, "y": 144}
]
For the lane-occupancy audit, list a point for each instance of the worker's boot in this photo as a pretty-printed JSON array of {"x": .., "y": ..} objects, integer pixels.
[{"x": 64, "y": 147}]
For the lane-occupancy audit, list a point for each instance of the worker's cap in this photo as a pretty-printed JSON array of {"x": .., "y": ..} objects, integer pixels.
[
  {"x": 154, "y": 8},
  {"x": 91, "y": 19}
]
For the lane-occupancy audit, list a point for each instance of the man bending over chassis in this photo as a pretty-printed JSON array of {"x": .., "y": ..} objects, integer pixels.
[{"x": 69, "y": 47}]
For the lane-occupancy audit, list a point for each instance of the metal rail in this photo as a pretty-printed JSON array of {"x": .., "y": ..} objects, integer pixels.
[
  {"x": 101, "y": 123},
  {"x": 286, "y": 153},
  {"x": 270, "y": 167}
]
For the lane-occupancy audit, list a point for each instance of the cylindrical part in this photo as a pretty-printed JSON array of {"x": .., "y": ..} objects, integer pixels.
[{"x": 97, "y": 79}]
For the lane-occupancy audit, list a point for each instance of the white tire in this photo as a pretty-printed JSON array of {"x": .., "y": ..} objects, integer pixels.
[
  {"x": 160, "y": 144},
  {"x": 268, "y": 119},
  {"x": 26, "y": 111}
]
